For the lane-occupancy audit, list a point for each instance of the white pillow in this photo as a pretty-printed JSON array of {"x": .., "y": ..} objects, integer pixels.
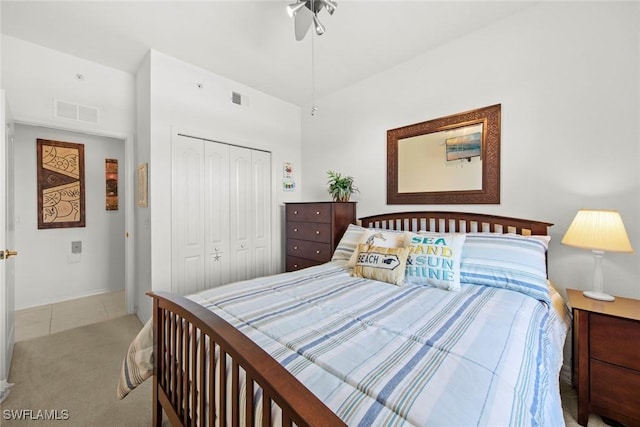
[{"x": 434, "y": 260}]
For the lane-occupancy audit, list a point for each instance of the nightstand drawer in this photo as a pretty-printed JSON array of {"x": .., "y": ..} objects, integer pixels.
[
  {"x": 319, "y": 232},
  {"x": 319, "y": 212},
  {"x": 309, "y": 250},
  {"x": 615, "y": 340},
  {"x": 295, "y": 263},
  {"x": 615, "y": 388}
]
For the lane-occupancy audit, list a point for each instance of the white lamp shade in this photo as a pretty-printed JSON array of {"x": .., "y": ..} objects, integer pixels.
[{"x": 601, "y": 230}]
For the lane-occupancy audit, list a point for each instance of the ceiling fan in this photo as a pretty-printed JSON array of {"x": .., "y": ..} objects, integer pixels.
[{"x": 305, "y": 12}]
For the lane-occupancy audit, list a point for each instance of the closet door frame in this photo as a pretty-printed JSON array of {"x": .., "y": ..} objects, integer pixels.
[{"x": 242, "y": 237}]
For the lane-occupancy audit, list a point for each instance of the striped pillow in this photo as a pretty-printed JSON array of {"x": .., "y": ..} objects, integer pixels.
[
  {"x": 508, "y": 261},
  {"x": 348, "y": 243}
]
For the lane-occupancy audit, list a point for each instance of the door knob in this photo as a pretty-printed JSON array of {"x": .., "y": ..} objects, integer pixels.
[{"x": 7, "y": 253}]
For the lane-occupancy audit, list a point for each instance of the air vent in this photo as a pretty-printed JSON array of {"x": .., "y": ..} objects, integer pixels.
[
  {"x": 236, "y": 98},
  {"x": 71, "y": 111}
]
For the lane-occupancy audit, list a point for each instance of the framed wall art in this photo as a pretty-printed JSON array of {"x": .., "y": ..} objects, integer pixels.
[
  {"x": 111, "y": 184},
  {"x": 61, "y": 186},
  {"x": 143, "y": 186}
]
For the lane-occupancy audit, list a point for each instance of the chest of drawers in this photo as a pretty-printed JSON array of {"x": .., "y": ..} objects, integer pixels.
[
  {"x": 606, "y": 358},
  {"x": 314, "y": 230}
]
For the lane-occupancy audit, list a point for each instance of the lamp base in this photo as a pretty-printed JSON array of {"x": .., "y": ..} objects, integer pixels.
[{"x": 598, "y": 295}]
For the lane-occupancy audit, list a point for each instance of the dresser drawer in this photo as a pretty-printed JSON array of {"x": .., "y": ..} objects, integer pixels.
[
  {"x": 309, "y": 250},
  {"x": 615, "y": 340},
  {"x": 318, "y": 212},
  {"x": 615, "y": 388},
  {"x": 295, "y": 263},
  {"x": 319, "y": 232}
]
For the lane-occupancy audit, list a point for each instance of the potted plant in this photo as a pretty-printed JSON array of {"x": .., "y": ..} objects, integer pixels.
[{"x": 340, "y": 187}]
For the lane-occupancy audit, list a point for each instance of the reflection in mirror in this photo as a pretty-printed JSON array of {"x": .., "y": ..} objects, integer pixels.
[
  {"x": 449, "y": 160},
  {"x": 454, "y": 159}
]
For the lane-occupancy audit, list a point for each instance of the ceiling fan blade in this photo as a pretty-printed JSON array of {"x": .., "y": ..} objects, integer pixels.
[{"x": 303, "y": 20}]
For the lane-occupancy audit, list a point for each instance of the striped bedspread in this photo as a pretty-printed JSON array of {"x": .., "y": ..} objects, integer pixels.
[{"x": 382, "y": 355}]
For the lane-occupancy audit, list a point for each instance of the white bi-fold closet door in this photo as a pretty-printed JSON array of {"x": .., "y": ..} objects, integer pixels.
[{"x": 221, "y": 200}]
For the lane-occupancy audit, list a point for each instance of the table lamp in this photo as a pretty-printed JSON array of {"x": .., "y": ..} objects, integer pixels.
[{"x": 601, "y": 231}]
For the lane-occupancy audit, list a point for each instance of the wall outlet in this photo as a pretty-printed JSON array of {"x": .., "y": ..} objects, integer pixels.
[{"x": 76, "y": 247}]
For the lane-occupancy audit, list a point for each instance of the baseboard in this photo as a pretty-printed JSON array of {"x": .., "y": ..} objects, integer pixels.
[{"x": 69, "y": 298}]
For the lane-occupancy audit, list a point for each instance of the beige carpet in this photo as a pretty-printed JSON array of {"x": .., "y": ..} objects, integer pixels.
[{"x": 76, "y": 371}]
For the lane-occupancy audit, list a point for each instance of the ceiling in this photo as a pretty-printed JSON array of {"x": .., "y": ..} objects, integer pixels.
[{"x": 252, "y": 42}]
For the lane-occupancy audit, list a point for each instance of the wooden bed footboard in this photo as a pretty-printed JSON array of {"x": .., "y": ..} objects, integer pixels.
[{"x": 195, "y": 353}]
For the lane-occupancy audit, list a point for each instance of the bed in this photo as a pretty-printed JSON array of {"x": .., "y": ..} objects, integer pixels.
[{"x": 341, "y": 344}]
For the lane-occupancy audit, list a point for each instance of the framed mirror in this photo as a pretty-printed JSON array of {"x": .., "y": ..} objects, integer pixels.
[{"x": 449, "y": 160}]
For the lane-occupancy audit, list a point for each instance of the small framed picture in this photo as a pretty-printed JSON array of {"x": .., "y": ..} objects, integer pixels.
[
  {"x": 287, "y": 170},
  {"x": 288, "y": 185},
  {"x": 143, "y": 186}
]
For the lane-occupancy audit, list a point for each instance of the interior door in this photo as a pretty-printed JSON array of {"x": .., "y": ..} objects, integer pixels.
[
  {"x": 240, "y": 214},
  {"x": 7, "y": 221},
  {"x": 188, "y": 214},
  {"x": 216, "y": 224},
  {"x": 261, "y": 209}
]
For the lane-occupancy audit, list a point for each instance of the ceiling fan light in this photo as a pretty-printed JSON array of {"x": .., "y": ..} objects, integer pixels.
[
  {"x": 293, "y": 8},
  {"x": 330, "y": 5},
  {"x": 319, "y": 27}
]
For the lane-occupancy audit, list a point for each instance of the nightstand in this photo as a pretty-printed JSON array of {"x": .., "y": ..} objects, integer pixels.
[{"x": 606, "y": 358}]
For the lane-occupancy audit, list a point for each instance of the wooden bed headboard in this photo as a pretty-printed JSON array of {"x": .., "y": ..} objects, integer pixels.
[{"x": 460, "y": 222}]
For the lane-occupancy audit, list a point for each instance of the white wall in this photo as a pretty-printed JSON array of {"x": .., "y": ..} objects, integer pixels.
[
  {"x": 46, "y": 271},
  {"x": 177, "y": 104},
  {"x": 566, "y": 75},
  {"x": 33, "y": 76}
]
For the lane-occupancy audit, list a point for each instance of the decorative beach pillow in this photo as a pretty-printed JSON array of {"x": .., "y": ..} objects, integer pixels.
[
  {"x": 381, "y": 238},
  {"x": 348, "y": 243},
  {"x": 383, "y": 264},
  {"x": 434, "y": 260},
  {"x": 508, "y": 261}
]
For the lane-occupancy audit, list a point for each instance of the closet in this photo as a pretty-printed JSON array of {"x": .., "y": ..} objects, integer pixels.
[{"x": 221, "y": 224}]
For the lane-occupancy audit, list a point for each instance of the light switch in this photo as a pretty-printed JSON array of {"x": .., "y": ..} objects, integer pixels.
[{"x": 76, "y": 247}]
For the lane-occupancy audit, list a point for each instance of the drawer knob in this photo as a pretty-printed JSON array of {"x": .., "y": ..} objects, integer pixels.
[
  {"x": 295, "y": 212},
  {"x": 317, "y": 252},
  {"x": 317, "y": 231},
  {"x": 317, "y": 212},
  {"x": 295, "y": 265},
  {"x": 295, "y": 248},
  {"x": 295, "y": 230}
]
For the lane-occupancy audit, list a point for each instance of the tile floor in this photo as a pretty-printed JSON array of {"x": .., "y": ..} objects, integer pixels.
[{"x": 49, "y": 319}]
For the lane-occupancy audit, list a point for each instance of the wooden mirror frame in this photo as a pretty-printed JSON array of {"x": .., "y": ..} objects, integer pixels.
[{"x": 490, "y": 192}]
